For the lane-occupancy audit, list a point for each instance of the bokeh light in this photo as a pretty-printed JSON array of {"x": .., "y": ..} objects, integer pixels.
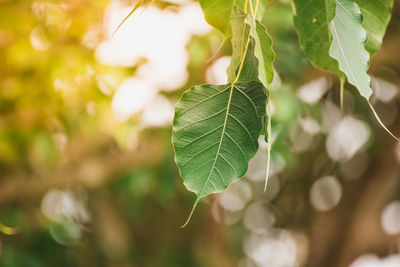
[
  {"x": 216, "y": 73},
  {"x": 258, "y": 218},
  {"x": 390, "y": 218},
  {"x": 236, "y": 196},
  {"x": 276, "y": 248},
  {"x": 313, "y": 91},
  {"x": 325, "y": 193},
  {"x": 370, "y": 260},
  {"x": 347, "y": 138}
]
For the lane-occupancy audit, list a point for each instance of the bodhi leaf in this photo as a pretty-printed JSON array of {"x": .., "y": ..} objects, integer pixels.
[
  {"x": 264, "y": 53},
  {"x": 218, "y": 13},
  {"x": 348, "y": 49},
  {"x": 376, "y": 16},
  {"x": 262, "y": 50},
  {"x": 348, "y": 45},
  {"x": 311, "y": 18},
  {"x": 215, "y": 133},
  {"x": 326, "y": 36},
  {"x": 259, "y": 53},
  {"x": 239, "y": 40},
  {"x": 249, "y": 71}
]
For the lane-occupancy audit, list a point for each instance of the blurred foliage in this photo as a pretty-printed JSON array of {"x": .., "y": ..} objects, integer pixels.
[{"x": 79, "y": 187}]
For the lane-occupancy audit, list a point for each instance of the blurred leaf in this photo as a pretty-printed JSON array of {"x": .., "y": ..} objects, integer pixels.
[
  {"x": 288, "y": 105},
  {"x": 290, "y": 60},
  {"x": 16, "y": 258},
  {"x": 65, "y": 233},
  {"x": 376, "y": 16},
  {"x": 217, "y": 13},
  {"x": 43, "y": 148},
  {"x": 135, "y": 184}
]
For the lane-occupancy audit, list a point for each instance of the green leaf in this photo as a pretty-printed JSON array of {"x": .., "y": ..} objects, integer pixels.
[
  {"x": 348, "y": 49},
  {"x": 264, "y": 53},
  {"x": 376, "y": 16},
  {"x": 217, "y": 13},
  {"x": 215, "y": 133},
  {"x": 343, "y": 47},
  {"x": 311, "y": 19},
  {"x": 262, "y": 50},
  {"x": 240, "y": 37},
  {"x": 348, "y": 45}
]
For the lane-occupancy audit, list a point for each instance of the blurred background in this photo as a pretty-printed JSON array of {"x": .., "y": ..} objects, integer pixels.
[{"x": 87, "y": 175}]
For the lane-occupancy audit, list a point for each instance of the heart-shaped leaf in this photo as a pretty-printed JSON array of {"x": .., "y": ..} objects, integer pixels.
[{"x": 215, "y": 133}]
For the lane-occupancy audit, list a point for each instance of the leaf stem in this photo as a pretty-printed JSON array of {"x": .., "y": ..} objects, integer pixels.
[
  {"x": 191, "y": 212},
  {"x": 242, "y": 61},
  {"x": 252, "y": 11},
  {"x": 244, "y": 33},
  {"x": 342, "y": 82},
  {"x": 218, "y": 49}
]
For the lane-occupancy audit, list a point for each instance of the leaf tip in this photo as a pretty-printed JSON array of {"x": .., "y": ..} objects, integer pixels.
[
  {"x": 191, "y": 212},
  {"x": 130, "y": 14},
  {"x": 381, "y": 123}
]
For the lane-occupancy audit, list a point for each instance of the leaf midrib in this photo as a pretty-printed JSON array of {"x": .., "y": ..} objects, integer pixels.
[
  {"x": 341, "y": 48},
  {"x": 221, "y": 139}
]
